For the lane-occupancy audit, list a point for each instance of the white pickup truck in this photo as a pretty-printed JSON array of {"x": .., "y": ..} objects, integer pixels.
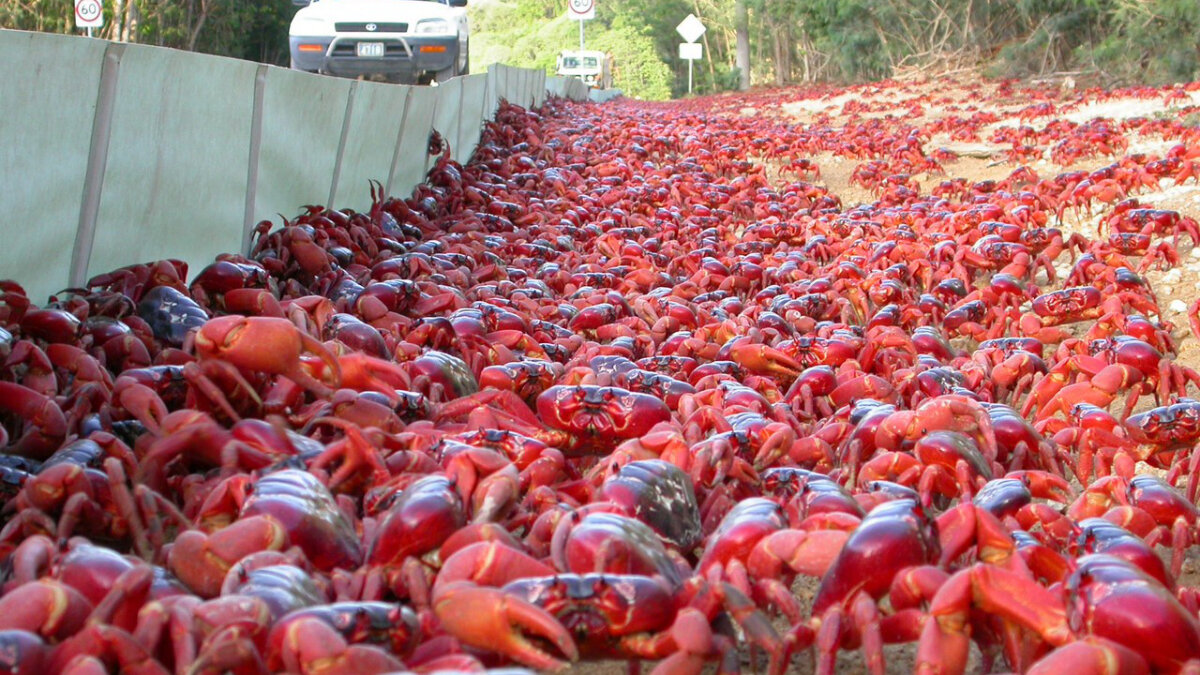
[
  {"x": 593, "y": 67},
  {"x": 408, "y": 41}
]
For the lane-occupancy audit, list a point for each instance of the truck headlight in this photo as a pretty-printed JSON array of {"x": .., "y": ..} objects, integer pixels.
[
  {"x": 311, "y": 25},
  {"x": 434, "y": 27}
]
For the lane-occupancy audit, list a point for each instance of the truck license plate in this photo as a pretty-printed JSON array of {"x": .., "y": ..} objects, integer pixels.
[{"x": 370, "y": 50}]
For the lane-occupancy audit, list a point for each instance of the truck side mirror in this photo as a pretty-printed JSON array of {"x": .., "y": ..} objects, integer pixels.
[{"x": 301, "y": 3}]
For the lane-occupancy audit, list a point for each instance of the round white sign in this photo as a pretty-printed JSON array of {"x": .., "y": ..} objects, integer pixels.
[
  {"x": 89, "y": 13},
  {"x": 581, "y": 9}
]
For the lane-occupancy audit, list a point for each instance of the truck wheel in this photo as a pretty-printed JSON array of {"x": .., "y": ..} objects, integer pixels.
[
  {"x": 454, "y": 70},
  {"x": 443, "y": 75}
]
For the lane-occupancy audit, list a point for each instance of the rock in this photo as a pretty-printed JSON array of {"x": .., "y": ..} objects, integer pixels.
[{"x": 1177, "y": 306}]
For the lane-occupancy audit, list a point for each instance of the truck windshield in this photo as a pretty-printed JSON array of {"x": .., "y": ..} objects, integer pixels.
[
  {"x": 591, "y": 61},
  {"x": 570, "y": 62}
]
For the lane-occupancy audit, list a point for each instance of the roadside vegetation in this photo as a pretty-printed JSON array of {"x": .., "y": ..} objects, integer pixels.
[
  {"x": 749, "y": 42},
  {"x": 255, "y": 31}
]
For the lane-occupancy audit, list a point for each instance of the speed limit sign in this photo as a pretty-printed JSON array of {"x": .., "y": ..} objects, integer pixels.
[
  {"x": 88, "y": 14},
  {"x": 581, "y": 10}
]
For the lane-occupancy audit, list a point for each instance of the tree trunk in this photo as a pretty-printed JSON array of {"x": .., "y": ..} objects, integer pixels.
[
  {"x": 708, "y": 55},
  {"x": 130, "y": 25},
  {"x": 742, "y": 25},
  {"x": 780, "y": 57},
  {"x": 113, "y": 31},
  {"x": 194, "y": 34},
  {"x": 805, "y": 56}
]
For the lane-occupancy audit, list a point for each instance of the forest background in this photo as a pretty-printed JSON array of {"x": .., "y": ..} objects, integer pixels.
[{"x": 759, "y": 43}]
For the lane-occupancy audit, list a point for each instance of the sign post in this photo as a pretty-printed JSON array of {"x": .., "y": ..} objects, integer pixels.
[
  {"x": 690, "y": 51},
  {"x": 581, "y": 10},
  {"x": 690, "y": 29},
  {"x": 89, "y": 14}
]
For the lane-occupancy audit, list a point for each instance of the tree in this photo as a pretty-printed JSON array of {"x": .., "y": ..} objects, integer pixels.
[
  {"x": 1119, "y": 41},
  {"x": 742, "y": 26},
  {"x": 48, "y": 16},
  {"x": 637, "y": 69},
  {"x": 249, "y": 30},
  {"x": 531, "y": 33}
]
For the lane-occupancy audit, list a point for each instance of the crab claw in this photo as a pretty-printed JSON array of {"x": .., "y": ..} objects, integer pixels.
[
  {"x": 45, "y": 425},
  {"x": 1044, "y": 485},
  {"x": 266, "y": 344},
  {"x": 46, "y": 607},
  {"x": 362, "y": 372},
  {"x": 492, "y": 619},
  {"x": 201, "y": 560},
  {"x": 949, "y": 412},
  {"x": 764, "y": 360},
  {"x": 969, "y": 525},
  {"x": 1091, "y": 655}
]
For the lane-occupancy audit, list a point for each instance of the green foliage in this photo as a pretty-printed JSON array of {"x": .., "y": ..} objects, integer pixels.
[
  {"x": 1117, "y": 41},
  {"x": 50, "y": 16},
  {"x": 531, "y": 33},
  {"x": 1126, "y": 41},
  {"x": 846, "y": 33},
  {"x": 526, "y": 45},
  {"x": 534, "y": 11},
  {"x": 726, "y": 78},
  {"x": 637, "y": 71},
  {"x": 256, "y": 31},
  {"x": 655, "y": 21}
]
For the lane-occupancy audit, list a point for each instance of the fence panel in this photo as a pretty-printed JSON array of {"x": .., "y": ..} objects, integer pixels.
[
  {"x": 49, "y": 85},
  {"x": 371, "y": 145},
  {"x": 175, "y": 179}
]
